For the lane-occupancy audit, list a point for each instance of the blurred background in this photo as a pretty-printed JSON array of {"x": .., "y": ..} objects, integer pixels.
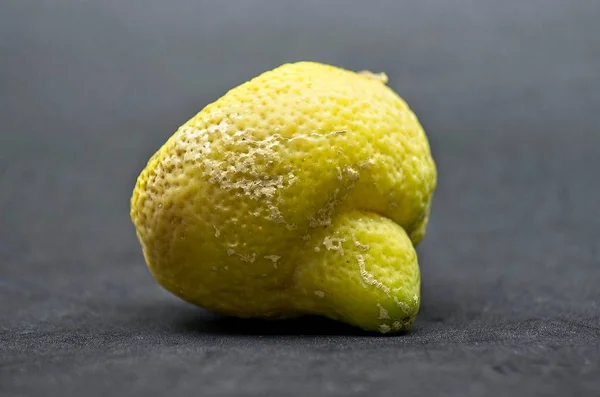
[{"x": 508, "y": 92}]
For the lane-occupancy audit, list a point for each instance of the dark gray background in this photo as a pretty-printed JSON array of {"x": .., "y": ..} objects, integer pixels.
[{"x": 509, "y": 93}]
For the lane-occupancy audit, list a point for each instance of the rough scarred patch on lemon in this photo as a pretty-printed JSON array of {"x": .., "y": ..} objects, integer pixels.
[{"x": 301, "y": 191}]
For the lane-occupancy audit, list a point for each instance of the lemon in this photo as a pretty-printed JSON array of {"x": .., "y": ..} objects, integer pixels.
[{"x": 302, "y": 191}]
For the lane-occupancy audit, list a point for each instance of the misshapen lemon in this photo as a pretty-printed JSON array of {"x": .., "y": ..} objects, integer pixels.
[{"x": 301, "y": 191}]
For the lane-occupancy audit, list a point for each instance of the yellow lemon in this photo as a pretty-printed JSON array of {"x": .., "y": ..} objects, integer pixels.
[{"x": 301, "y": 191}]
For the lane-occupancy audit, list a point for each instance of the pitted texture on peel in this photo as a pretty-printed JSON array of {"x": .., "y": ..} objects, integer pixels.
[{"x": 239, "y": 199}]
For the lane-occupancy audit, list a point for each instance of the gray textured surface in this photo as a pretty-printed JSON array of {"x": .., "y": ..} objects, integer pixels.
[{"x": 509, "y": 93}]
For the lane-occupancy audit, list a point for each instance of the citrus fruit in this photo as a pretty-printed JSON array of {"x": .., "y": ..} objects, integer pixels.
[{"x": 302, "y": 191}]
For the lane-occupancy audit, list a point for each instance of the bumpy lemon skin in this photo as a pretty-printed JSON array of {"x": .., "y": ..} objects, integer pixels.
[{"x": 302, "y": 191}]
